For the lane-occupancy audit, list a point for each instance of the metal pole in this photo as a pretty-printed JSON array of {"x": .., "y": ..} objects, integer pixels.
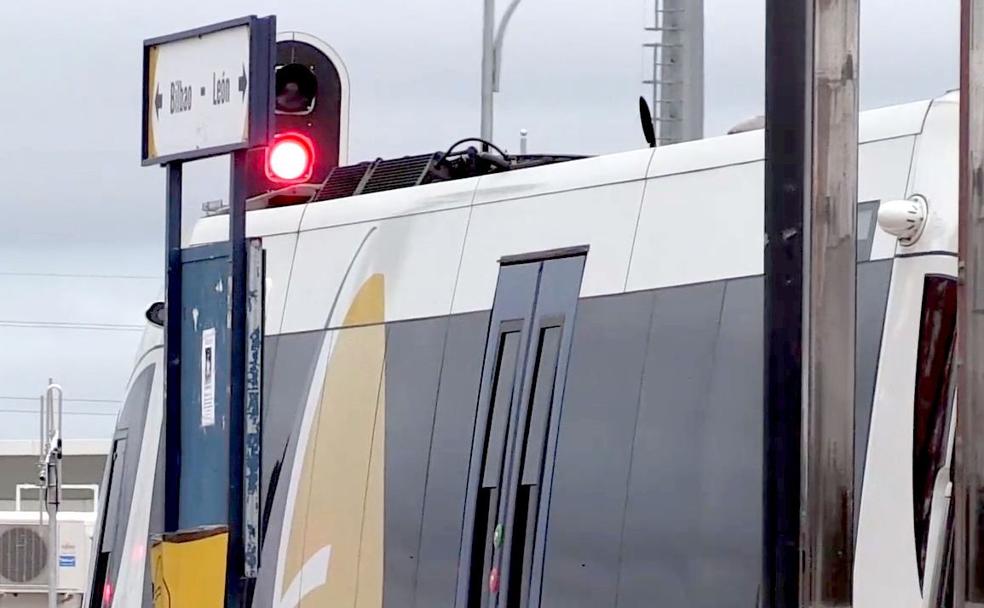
[
  {"x": 488, "y": 67},
  {"x": 500, "y": 35},
  {"x": 811, "y": 213},
  {"x": 52, "y": 507},
  {"x": 788, "y": 61},
  {"x": 51, "y": 478},
  {"x": 522, "y": 141},
  {"x": 42, "y": 471},
  {"x": 52, "y": 545},
  {"x": 172, "y": 348},
  {"x": 237, "y": 374},
  {"x": 969, "y": 457},
  {"x": 492, "y": 39}
]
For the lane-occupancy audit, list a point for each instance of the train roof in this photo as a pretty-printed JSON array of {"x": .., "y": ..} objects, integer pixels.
[
  {"x": 652, "y": 218},
  {"x": 726, "y": 150}
]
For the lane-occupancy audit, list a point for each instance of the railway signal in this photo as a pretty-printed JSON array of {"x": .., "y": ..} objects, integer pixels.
[
  {"x": 290, "y": 158},
  {"x": 310, "y": 122},
  {"x": 209, "y": 92}
]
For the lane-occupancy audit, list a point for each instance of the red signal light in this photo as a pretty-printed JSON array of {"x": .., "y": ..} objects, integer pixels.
[{"x": 290, "y": 158}]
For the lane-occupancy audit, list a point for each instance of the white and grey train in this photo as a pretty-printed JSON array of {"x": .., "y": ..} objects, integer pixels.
[{"x": 543, "y": 387}]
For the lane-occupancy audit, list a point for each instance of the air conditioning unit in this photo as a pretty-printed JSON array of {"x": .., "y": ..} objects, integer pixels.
[{"x": 24, "y": 553}]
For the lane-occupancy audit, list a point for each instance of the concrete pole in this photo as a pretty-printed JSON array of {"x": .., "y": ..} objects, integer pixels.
[
  {"x": 969, "y": 451},
  {"x": 684, "y": 80},
  {"x": 828, "y": 490},
  {"x": 678, "y": 70},
  {"x": 693, "y": 88},
  {"x": 811, "y": 143}
]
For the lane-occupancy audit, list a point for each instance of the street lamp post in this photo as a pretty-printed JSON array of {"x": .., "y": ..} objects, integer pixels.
[{"x": 492, "y": 40}]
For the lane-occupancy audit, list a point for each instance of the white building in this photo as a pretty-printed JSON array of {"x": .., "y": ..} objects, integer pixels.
[{"x": 23, "y": 528}]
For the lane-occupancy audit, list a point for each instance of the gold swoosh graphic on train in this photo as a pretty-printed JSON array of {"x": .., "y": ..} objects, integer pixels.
[{"x": 339, "y": 503}]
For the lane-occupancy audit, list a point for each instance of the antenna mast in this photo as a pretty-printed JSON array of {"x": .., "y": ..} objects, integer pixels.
[
  {"x": 678, "y": 70},
  {"x": 50, "y": 476}
]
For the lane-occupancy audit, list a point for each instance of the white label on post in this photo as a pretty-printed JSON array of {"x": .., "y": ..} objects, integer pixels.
[{"x": 208, "y": 377}]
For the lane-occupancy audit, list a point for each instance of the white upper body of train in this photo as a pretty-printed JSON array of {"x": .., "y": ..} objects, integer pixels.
[{"x": 356, "y": 477}]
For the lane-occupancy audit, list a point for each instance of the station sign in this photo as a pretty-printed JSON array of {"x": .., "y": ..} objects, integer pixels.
[{"x": 208, "y": 91}]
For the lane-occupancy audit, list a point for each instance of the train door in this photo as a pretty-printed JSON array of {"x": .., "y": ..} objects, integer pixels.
[{"x": 516, "y": 426}]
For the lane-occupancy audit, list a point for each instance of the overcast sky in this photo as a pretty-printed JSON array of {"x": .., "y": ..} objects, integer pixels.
[{"x": 75, "y": 199}]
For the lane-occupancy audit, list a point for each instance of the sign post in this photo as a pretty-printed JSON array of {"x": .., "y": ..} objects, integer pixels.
[{"x": 208, "y": 92}]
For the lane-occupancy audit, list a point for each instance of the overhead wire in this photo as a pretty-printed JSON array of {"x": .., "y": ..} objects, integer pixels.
[
  {"x": 70, "y": 275},
  {"x": 67, "y": 412},
  {"x": 70, "y": 325},
  {"x": 63, "y": 325},
  {"x": 67, "y": 399}
]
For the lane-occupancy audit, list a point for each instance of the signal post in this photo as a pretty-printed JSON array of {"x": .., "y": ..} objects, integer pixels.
[{"x": 209, "y": 92}]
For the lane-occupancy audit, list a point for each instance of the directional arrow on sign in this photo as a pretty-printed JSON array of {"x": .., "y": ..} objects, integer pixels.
[
  {"x": 191, "y": 108},
  {"x": 243, "y": 82}
]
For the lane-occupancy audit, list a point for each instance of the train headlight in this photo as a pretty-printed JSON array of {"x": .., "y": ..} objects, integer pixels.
[{"x": 904, "y": 219}]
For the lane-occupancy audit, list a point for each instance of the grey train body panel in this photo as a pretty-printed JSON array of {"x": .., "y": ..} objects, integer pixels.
[
  {"x": 414, "y": 350},
  {"x": 653, "y": 492},
  {"x": 447, "y": 478}
]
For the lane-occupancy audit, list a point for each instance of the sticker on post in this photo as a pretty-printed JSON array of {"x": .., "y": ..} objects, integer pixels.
[{"x": 208, "y": 377}]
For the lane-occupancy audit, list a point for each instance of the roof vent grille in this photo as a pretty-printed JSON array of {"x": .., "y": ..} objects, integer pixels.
[
  {"x": 399, "y": 173},
  {"x": 344, "y": 181}
]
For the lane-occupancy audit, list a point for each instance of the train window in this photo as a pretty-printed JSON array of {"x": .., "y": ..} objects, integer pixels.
[
  {"x": 499, "y": 413},
  {"x": 937, "y": 333},
  {"x": 527, "y": 501},
  {"x": 867, "y": 220},
  {"x": 113, "y": 500},
  {"x": 102, "y": 587},
  {"x": 487, "y": 511},
  {"x": 540, "y": 404}
]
